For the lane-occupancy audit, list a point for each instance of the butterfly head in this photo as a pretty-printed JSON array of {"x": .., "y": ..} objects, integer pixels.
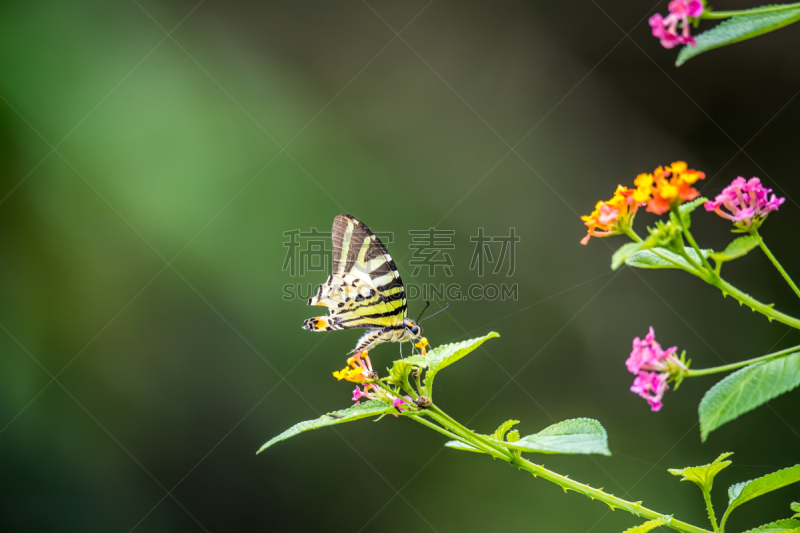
[{"x": 414, "y": 329}]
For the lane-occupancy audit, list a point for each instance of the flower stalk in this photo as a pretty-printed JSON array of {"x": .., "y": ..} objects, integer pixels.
[
  {"x": 775, "y": 262},
  {"x": 709, "y": 14},
  {"x": 712, "y": 277},
  {"x": 397, "y": 390},
  {"x": 755, "y": 305},
  {"x": 453, "y": 429},
  {"x": 712, "y": 517},
  {"x": 693, "y": 372},
  {"x": 696, "y": 248},
  {"x": 472, "y": 437}
]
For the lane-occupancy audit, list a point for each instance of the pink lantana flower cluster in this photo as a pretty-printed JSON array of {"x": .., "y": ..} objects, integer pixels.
[
  {"x": 371, "y": 392},
  {"x": 358, "y": 393},
  {"x": 654, "y": 368},
  {"x": 747, "y": 203},
  {"x": 666, "y": 28},
  {"x": 397, "y": 402}
]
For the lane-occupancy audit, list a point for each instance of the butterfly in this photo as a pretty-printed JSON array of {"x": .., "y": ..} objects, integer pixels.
[{"x": 364, "y": 290}]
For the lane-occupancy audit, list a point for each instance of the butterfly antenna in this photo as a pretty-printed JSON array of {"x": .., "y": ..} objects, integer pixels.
[
  {"x": 436, "y": 313},
  {"x": 427, "y": 304}
]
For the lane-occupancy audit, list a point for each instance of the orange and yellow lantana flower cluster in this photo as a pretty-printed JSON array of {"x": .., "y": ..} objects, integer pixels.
[
  {"x": 664, "y": 189},
  {"x": 360, "y": 371},
  {"x": 608, "y": 217}
]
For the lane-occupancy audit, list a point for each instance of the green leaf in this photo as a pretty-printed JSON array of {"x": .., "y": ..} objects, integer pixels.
[
  {"x": 735, "y": 490},
  {"x": 624, "y": 252},
  {"x": 781, "y": 526},
  {"x": 647, "y": 526},
  {"x": 746, "y": 389},
  {"x": 685, "y": 211},
  {"x": 703, "y": 475},
  {"x": 737, "y": 29},
  {"x": 576, "y": 436},
  {"x": 364, "y": 410},
  {"x": 445, "y": 355},
  {"x": 738, "y": 248},
  {"x": 500, "y": 433},
  {"x": 398, "y": 374},
  {"x": 796, "y": 508},
  {"x": 649, "y": 258},
  {"x": 749, "y": 490},
  {"x": 579, "y": 435}
]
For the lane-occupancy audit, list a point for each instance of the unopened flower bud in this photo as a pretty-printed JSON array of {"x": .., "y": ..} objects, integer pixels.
[{"x": 423, "y": 402}]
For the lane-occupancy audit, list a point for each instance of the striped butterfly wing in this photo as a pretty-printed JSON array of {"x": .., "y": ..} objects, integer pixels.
[{"x": 365, "y": 289}]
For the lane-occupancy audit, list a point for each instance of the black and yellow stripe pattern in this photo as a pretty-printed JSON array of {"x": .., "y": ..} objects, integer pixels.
[{"x": 364, "y": 289}]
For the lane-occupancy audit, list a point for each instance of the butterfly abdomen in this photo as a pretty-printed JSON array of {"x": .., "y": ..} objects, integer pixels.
[{"x": 370, "y": 339}]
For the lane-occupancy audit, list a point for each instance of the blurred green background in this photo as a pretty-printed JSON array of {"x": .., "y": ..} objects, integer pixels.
[{"x": 143, "y": 201}]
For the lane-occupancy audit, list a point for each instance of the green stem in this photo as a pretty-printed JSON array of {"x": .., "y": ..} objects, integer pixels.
[
  {"x": 726, "y": 368},
  {"x": 420, "y": 418},
  {"x": 776, "y": 263},
  {"x": 614, "y": 502},
  {"x": 726, "y": 288},
  {"x": 445, "y": 420},
  {"x": 632, "y": 234},
  {"x": 711, "y": 516},
  {"x": 728, "y": 14},
  {"x": 699, "y": 271},
  {"x": 724, "y": 519},
  {"x": 408, "y": 388},
  {"x": 635, "y": 508},
  {"x": 693, "y": 243},
  {"x": 754, "y": 304}
]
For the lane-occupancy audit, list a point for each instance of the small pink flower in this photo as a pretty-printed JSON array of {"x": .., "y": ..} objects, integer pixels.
[
  {"x": 747, "y": 203},
  {"x": 651, "y": 386},
  {"x": 648, "y": 355},
  {"x": 695, "y": 8},
  {"x": 653, "y": 367},
  {"x": 608, "y": 215},
  {"x": 692, "y": 8},
  {"x": 666, "y": 29},
  {"x": 358, "y": 393},
  {"x": 400, "y": 401},
  {"x": 667, "y": 34},
  {"x": 397, "y": 402}
]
